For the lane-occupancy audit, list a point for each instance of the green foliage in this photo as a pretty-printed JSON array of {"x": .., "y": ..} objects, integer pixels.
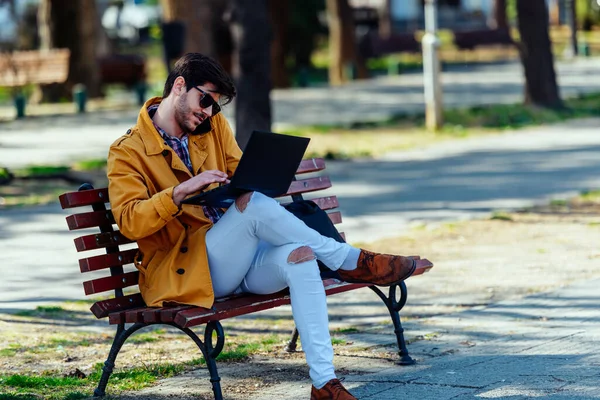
[
  {"x": 11, "y": 350},
  {"x": 558, "y": 203},
  {"x": 590, "y": 196},
  {"x": 90, "y": 165},
  {"x": 501, "y": 216},
  {"x": 346, "y": 330},
  {"x": 38, "y": 382},
  {"x": 41, "y": 171},
  {"x": 42, "y": 311}
]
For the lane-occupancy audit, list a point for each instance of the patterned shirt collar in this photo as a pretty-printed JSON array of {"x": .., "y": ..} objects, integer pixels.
[
  {"x": 151, "y": 111},
  {"x": 180, "y": 146}
]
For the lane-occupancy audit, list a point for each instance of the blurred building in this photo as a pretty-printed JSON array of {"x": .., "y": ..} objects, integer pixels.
[{"x": 408, "y": 15}]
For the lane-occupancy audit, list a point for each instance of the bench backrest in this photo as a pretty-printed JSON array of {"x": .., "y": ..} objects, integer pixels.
[
  {"x": 39, "y": 66},
  {"x": 109, "y": 239}
]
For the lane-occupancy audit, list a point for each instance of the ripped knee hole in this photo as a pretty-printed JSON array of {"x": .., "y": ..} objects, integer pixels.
[
  {"x": 300, "y": 255},
  {"x": 242, "y": 202}
]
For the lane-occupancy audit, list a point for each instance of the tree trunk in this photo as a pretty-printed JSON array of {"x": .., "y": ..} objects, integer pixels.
[
  {"x": 343, "y": 56},
  {"x": 74, "y": 25},
  {"x": 385, "y": 19},
  {"x": 536, "y": 54},
  {"x": 251, "y": 67},
  {"x": 554, "y": 12},
  {"x": 205, "y": 29},
  {"x": 499, "y": 20},
  {"x": 279, "y": 16},
  {"x": 572, "y": 18}
]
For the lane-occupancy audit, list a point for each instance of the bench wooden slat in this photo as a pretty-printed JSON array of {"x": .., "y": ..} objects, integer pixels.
[
  {"x": 118, "y": 317},
  {"x": 83, "y": 198},
  {"x": 335, "y": 217},
  {"x": 107, "y": 260},
  {"x": 247, "y": 304},
  {"x": 103, "y": 308},
  {"x": 327, "y": 203},
  {"x": 135, "y": 315},
  {"x": 311, "y": 165},
  {"x": 421, "y": 271},
  {"x": 309, "y": 185},
  {"x": 165, "y": 314},
  {"x": 90, "y": 219},
  {"x": 111, "y": 282},
  {"x": 100, "y": 240}
]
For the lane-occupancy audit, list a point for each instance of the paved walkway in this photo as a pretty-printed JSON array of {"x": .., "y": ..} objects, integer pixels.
[
  {"x": 65, "y": 138},
  {"x": 447, "y": 181},
  {"x": 540, "y": 346}
]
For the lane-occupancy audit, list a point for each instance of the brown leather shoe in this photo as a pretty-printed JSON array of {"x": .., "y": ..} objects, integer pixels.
[
  {"x": 379, "y": 269},
  {"x": 333, "y": 390}
]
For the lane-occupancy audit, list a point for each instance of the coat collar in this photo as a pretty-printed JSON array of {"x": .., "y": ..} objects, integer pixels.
[{"x": 153, "y": 142}]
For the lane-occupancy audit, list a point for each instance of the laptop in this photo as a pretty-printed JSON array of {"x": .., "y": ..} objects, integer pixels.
[{"x": 268, "y": 165}]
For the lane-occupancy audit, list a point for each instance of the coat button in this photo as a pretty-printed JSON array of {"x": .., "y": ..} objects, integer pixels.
[
  {"x": 165, "y": 153},
  {"x": 184, "y": 249},
  {"x": 181, "y": 271}
]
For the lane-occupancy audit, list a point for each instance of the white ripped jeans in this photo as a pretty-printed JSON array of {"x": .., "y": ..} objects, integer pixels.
[{"x": 248, "y": 251}]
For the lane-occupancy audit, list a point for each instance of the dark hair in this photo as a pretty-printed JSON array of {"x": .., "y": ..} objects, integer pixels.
[{"x": 198, "y": 69}]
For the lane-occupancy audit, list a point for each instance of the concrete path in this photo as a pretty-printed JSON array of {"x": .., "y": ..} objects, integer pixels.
[
  {"x": 379, "y": 198},
  {"x": 540, "y": 346},
  {"x": 62, "y": 139}
]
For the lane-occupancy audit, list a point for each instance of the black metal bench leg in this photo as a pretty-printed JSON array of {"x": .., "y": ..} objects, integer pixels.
[
  {"x": 120, "y": 338},
  {"x": 210, "y": 352},
  {"x": 293, "y": 343},
  {"x": 394, "y": 305}
]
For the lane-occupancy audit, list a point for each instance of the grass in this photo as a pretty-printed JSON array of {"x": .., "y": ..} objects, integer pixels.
[
  {"x": 43, "y": 311},
  {"x": 346, "y": 330},
  {"x": 55, "y": 387},
  {"x": 590, "y": 196},
  {"x": 558, "y": 203},
  {"x": 501, "y": 216}
]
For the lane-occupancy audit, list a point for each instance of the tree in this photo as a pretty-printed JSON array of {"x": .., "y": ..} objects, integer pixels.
[
  {"x": 536, "y": 54},
  {"x": 74, "y": 25},
  {"x": 385, "y": 19},
  {"x": 205, "y": 29},
  {"x": 251, "y": 67},
  {"x": 499, "y": 20},
  {"x": 342, "y": 43},
  {"x": 279, "y": 13}
]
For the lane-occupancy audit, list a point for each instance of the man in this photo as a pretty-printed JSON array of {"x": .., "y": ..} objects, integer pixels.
[{"x": 190, "y": 254}]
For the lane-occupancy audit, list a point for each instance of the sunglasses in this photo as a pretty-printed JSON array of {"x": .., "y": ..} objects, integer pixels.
[{"x": 206, "y": 101}]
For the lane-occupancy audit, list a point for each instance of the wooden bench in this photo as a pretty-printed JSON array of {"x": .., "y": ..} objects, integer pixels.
[
  {"x": 21, "y": 68},
  {"x": 469, "y": 40},
  {"x": 130, "y": 308},
  {"x": 372, "y": 45}
]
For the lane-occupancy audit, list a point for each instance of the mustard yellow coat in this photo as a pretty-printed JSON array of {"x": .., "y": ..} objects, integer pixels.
[{"x": 142, "y": 172}]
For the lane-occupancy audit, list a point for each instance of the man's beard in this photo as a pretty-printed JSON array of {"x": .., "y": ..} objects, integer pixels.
[{"x": 182, "y": 113}]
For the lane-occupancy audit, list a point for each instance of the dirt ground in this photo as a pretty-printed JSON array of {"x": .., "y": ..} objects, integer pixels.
[{"x": 476, "y": 263}]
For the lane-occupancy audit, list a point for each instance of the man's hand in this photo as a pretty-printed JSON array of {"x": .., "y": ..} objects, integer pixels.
[{"x": 197, "y": 183}]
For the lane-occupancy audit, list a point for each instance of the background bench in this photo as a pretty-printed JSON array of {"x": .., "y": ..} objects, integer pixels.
[
  {"x": 126, "y": 309},
  {"x": 21, "y": 68},
  {"x": 469, "y": 40}
]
